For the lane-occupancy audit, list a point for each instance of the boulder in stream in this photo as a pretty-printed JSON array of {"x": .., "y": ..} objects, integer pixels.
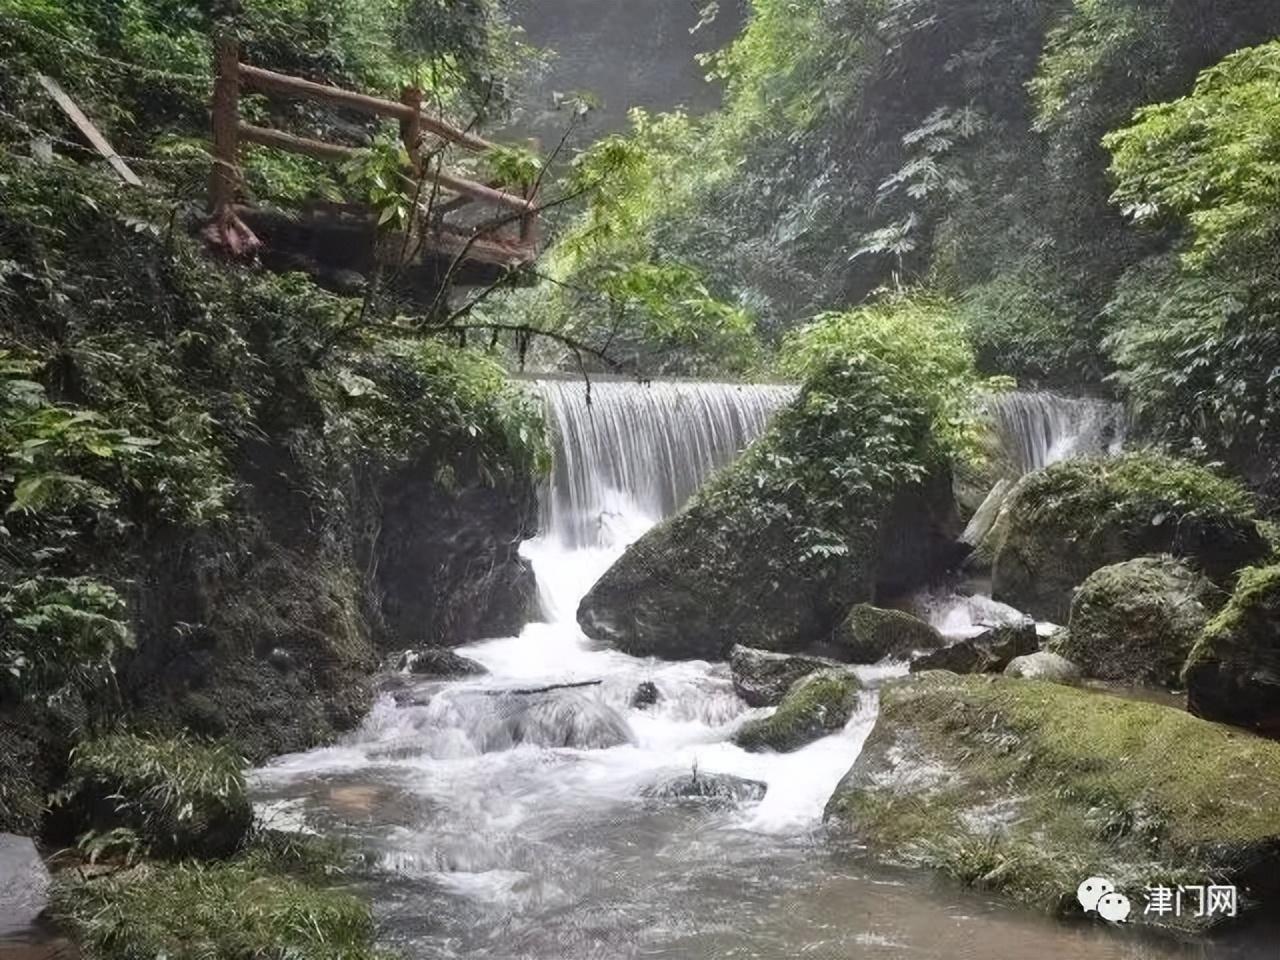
[
  {"x": 1062, "y": 523},
  {"x": 1136, "y": 621},
  {"x": 1028, "y": 788},
  {"x": 816, "y": 705},
  {"x": 989, "y": 652},
  {"x": 718, "y": 788},
  {"x": 869, "y": 634},
  {"x": 762, "y": 678},
  {"x": 438, "y": 662},
  {"x": 1233, "y": 672},
  {"x": 775, "y": 548},
  {"x": 1043, "y": 665}
]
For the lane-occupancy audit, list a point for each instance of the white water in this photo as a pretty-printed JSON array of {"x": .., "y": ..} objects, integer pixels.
[
  {"x": 1041, "y": 428},
  {"x": 513, "y": 825}
]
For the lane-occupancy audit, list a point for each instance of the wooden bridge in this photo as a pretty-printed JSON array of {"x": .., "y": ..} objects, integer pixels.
[{"x": 461, "y": 231}]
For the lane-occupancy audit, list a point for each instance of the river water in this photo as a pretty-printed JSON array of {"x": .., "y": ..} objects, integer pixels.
[{"x": 499, "y": 823}]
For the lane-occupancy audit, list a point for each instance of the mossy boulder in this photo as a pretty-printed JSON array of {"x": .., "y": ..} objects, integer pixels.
[
  {"x": 181, "y": 797},
  {"x": 1136, "y": 621},
  {"x": 762, "y": 678},
  {"x": 816, "y": 705},
  {"x": 1068, "y": 520},
  {"x": 1233, "y": 672},
  {"x": 1026, "y": 788},
  {"x": 846, "y": 495},
  {"x": 870, "y": 634}
]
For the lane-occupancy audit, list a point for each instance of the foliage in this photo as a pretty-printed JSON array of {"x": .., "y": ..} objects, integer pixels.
[
  {"x": 190, "y": 910},
  {"x": 175, "y": 796}
]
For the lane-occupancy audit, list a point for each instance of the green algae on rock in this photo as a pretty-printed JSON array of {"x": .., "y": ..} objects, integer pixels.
[
  {"x": 1066, "y": 521},
  {"x": 1233, "y": 672},
  {"x": 1136, "y": 621},
  {"x": 816, "y": 705},
  {"x": 1026, "y": 788}
]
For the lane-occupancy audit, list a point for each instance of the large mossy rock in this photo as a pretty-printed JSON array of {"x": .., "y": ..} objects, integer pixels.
[
  {"x": 1068, "y": 520},
  {"x": 869, "y": 634},
  {"x": 816, "y": 705},
  {"x": 1233, "y": 672},
  {"x": 182, "y": 798},
  {"x": 762, "y": 678},
  {"x": 1027, "y": 788},
  {"x": 824, "y": 511},
  {"x": 1136, "y": 621}
]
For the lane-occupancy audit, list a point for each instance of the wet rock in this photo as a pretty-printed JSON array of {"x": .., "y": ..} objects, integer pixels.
[
  {"x": 562, "y": 718},
  {"x": 989, "y": 652},
  {"x": 1233, "y": 671},
  {"x": 1136, "y": 621},
  {"x": 762, "y": 678},
  {"x": 1062, "y": 523},
  {"x": 282, "y": 659},
  {"x": 24, "y": 883},
  {"x": 1044, "y": 665},
  {"x": 980, "y": 777},
  {"x": 714, "y": 787},
  {"x": 438, "y": 662},
  {"x": 870, "y": 634},
  {"x": 816, "y": 705},
  {"x": 645, "y": 695}
]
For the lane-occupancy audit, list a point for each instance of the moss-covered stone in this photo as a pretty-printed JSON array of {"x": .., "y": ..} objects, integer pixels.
[
  {"x": 1136, "y": 621},
  {"x": 180, "y": 797},
  {"x": 869, "y": 634},
  {"x": 762, "y": 678},
  {"x": 1066, "y": 521},
  {"x": 816, "y": 705},
  {"x": 1043, "y": 665},
  {"x": 1027, "y": 787},
  {"x": 1233, "y": 672}
]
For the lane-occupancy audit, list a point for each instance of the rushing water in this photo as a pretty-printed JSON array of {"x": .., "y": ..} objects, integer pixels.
[
  {"x": 507, "y": 824},
  {"x": 1040, "y": 428}
]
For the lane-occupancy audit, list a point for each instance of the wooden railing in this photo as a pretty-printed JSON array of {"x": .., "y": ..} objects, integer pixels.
[{"x": 520, "y": 209}]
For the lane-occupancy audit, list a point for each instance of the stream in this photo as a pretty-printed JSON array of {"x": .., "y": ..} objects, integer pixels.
[{"x": 512, "y": 825}]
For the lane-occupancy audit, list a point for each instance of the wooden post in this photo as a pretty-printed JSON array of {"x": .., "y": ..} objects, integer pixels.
[
  {"x": 411, "y": 128},
  {"x": 224, "y": 178}
]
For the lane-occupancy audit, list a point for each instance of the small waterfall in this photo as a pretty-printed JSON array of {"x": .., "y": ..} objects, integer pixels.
[
  {"x": 636, "y": 451},
  {"x": 1040, "y": 428}
]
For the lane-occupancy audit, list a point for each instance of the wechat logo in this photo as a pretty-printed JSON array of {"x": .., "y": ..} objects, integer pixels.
[{"x": 1098, "y": 894}]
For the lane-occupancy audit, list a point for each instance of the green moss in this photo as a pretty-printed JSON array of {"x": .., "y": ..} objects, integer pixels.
[
  {"x": 1066, "y": 521},
  {"x": 243, "y": 910},
  {"x": 1136, "y": 621},
  {"x": 815, "y": 706},
  {"x": 870, "y": 634},
  {"x": 181, "y": 796},
  {"x": 1027, "y": 787}
]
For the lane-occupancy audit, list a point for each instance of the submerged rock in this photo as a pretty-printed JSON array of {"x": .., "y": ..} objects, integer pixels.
[
  {"x": 1029, "y": 788},
  {"x": 762, "y": 678},
  {"x": 989, "y": 652},
  {"x": 561, "y": 718},
  {"x": 1043, "y": 665},
  {"x": 645, "y": 695},
  {"x": 870, "y": 634},
  {"x": 714, "y": 787},
  {"x": 816, "y": 705},
  {"x": 1068, "y": 520},
  {"x": 1233, "y": 671},
  {"x": 1136, "y": 621},
  {"x": 438, "y": 662}
]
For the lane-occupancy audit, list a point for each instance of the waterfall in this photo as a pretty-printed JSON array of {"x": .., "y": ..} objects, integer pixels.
[
  {"x": 637, "y": 451},
  {"x": 1040, "y": 428}
]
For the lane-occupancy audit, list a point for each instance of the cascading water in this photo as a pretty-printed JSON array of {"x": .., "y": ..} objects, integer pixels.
[
  {"x": 502, "y": 819},
  {"x": 1039, "y": 428}
]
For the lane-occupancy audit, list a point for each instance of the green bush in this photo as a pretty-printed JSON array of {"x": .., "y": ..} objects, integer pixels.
[{"x": 179, "y": 796}]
